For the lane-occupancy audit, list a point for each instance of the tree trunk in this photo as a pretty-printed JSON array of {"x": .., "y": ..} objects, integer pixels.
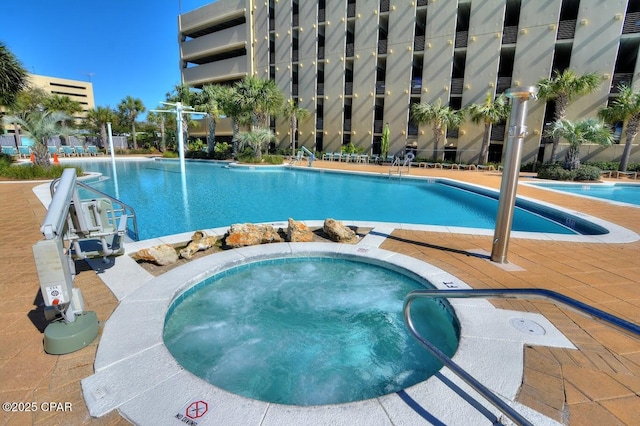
[
  {"x": 572, "y": 158},
  {"x": 561, "y": 110},
  {"x": 631, "y": 133},
  {"x": 484, "y": 149},
  {"x": 16, "y": 129},
  {"x": 133, "y": 132},
  {"x": 234, "y": 139},
  {"x": 163, "y": 137},
  {"x": 41, "y": 154},
  {"x": 103, "y": 135},
  {"x": 437, "y": 131},
  {"x": 211, "y": 141}
]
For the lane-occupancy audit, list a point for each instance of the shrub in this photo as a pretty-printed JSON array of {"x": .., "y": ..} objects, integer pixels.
[
  {"x": 554, "y": 172},
  {"x": 604, "y": 165},
  {"x": 585, "y": 172},
  {"x": 170, "y": 154},
  {"x": 32, "y": 171},
  {"x": 273, "y": 159},
  {"x": 530, "y": 167}
]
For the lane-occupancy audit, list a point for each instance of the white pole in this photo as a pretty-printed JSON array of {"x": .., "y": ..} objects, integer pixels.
[
  {"x": 180, "y": 136},
  {"x": 113, "y": 160}
]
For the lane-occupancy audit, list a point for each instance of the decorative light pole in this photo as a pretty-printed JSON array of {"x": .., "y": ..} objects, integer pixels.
[{"x": 509, "y": 184}]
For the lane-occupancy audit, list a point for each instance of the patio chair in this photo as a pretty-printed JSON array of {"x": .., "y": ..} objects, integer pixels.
[
  {"x": 337, "y": 156},
  {"x": 10, "y": 150},
  {"x": 52, "y": 149},
  {"x": 363, "y": 158},
  {"x": 80, "y": 151},
  {"x": 93, "y": 150},
  {"x": 327, "y": 156},
  {"x": 25, "y": 151},
  {"x": 67, "y": 150}
]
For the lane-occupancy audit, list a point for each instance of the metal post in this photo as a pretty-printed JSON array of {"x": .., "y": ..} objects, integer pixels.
[
  {"x": 180, "y": 136},
  {"x": 113, "y": 160},
  {"x": 509, "y": 184}
]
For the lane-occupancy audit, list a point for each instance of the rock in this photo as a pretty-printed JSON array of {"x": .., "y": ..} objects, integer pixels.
[
  {"x": 199, "y": 241},
  {"x": 247, "y": 234},
  {"x": 161, "y": 255},
  {"x": 339, "y": 233},
  {"x": 298, "y": 232}
]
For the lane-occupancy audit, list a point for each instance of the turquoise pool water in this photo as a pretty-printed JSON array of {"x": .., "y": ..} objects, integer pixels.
[
  {"x": 307, "y": 331},
  {"x": 211, "y": 195},
  {"x": 622, "y": 192}
]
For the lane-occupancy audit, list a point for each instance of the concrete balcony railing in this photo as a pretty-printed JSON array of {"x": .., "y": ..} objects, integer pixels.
[
  {"x": 382, "y": 47},
  {"x": 620, "y": 78},
  {"x": 320, "y": 89},
  {"x": 351, "y": 10},
  {"x": 380, "y": 87},
  {"x": 348, "y": 88},
  {"x": 497, "y": 132},
  {"x": 462, "y": 38},
  {"x": 457, "y": 85},
  {"x": 418, "y": 43},
  {"x": 349, "y": 50},
  {"x": 384, "y": 5}
]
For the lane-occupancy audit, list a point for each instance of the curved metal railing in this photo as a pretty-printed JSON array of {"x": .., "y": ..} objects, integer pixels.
[{"x": 560, "y": 299}]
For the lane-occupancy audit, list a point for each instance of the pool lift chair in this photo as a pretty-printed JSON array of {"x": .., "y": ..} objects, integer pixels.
[
  {"x": 73, "y": 229},
  {"x": 300, "y": 156}
]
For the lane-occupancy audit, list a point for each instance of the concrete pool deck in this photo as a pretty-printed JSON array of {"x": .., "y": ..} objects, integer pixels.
[{"x": 597, "y": 384}]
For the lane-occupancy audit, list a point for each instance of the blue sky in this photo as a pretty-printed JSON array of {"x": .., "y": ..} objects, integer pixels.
[{"x": 124, "y": 47}]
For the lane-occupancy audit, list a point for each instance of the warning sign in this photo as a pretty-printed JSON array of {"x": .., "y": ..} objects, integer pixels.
[{"x": 193, "y": 412}]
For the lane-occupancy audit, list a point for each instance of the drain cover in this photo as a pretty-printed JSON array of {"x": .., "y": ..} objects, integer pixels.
[{"x": 527, "y": 326}]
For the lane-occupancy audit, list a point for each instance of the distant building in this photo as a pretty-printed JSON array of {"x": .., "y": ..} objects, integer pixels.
[
  {"x": 76, "y": 90},
  {"x": 356, "y": 64}
]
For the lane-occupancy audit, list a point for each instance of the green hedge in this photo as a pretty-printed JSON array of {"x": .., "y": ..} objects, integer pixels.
[{"x": 556, "y": 172}]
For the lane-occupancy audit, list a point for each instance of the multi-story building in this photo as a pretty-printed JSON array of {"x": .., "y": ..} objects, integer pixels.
[
  {"x": 76, "y": 90},
  {"x": 357, "y": 64}
]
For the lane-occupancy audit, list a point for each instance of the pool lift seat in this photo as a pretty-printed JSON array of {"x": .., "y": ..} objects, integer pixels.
[{"x": 72, "y": 222}]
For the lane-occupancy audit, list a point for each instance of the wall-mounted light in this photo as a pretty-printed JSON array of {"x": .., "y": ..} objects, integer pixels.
[
  {"x": 536, "y": 132},
  {"x": 393, "y": 7},
  {"x": 428, "y": 45},
  {"x": 462, "y": 132},
  {"x": 409, "y": 48},
  {"x": 390, "y": 51},
  {"x": 467, "y": 86},
  {"x": 516, "y": 83},
  {"x": 584, "y": 22},
  {"x": 403, "y": 132},
  {"x": 422, "y": 132},
  {"x": 606, "y": 76},
  {"x": 445, "y": 88},
  {"x": 406, "y": 91},
  {"x": 617, "y": 16},
  {"x": 492, "y": 84},
  {"x": 313, "y": 133},
  {"x": 472, "y": 39},
  {"x": 277, "y": 68},
  {"x": 449, "y": 42},
  {"x": 340, "y": 96},
  {"x": 301, "y": 30},
  {"x": 523, "y": 31},
  {"x": 326, "y": 133},
  {"x": 288, "y": 31},
  {"x": 277, "y": 133},
  {"x": 497, "y": 35},
  {"x": 388, "y": 92},
  {"x": 373, "y": 53},
  {"x": 301, "y": 65},
  {"x": 353, "y": 132},
  {"x": 277, "y": 35},
  {"x": 359, "y": 16},
  {"x": 369, "y": 132},
  {"x": 357, "y": 56},
  {"x": 371, "y": 94},
  {"x": 326, "y": 98},
  {"x": 355, "y": 95},
  {"x": 328, "y": 22},
  {"x": 552, "y": 27},
  {"x": 425, "y": 90},
  {"x": 339, "y": 132}
]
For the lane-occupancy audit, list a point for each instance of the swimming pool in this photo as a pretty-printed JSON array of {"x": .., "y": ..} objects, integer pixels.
[
  {"x": 211, "y": 195},
  {"x": 307, "y": 331},
  {"x": 627, "y": 193}
]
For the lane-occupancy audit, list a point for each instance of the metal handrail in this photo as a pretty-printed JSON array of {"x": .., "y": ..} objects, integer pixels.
[
  {"x": 127, "y": 210},
  {"x": 588, "y": 311}
]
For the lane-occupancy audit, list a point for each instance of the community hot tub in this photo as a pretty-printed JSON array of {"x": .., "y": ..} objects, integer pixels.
[{"x": 308, "y": 330}]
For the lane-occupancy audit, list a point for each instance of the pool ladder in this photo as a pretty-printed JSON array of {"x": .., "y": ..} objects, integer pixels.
[{"x": 586, "y": 310}]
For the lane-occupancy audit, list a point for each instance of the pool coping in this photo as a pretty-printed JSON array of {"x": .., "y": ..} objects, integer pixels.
[
  {"x": 135, "y": 373},
  {"x": 616, "y": 235},
  {"x": 542, "y": 185}
]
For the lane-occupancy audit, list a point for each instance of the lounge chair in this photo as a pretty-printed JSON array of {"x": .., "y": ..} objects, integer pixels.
[
  {"x": 52, "y": 149},
  {"x": 25, "y": 151},
  {"x": 67, "y": 150},
  {"x": 10, "y": 150},
  {"x": 467, "y": 167},
  {"x": 327, "y": 156},
  {"x": 485, "y": 167},
  {"x": 633, "y": 175},
  {"x": 363, "y": 158},
  {"x": 80, "y": 150},
  {"x": 93, "y": 150},
  {"x": 337, "y": 156}
]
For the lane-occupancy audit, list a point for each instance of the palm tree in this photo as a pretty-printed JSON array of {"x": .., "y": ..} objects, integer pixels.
[
  {"x": 64, "y": 104},
  {"x": 583, "y": 131},
  {"x": 490, "y": 112},
  {"x": 131, "y": 107},
  {"x": 209, "y": 101},
  {"x": 255, "y": 139},
  {"x": 40, "y": 126},
  {"x": 441, "y": 118},
  {"x": 28, "y": 100},
  {"x": 626, "y": 108},
  {"x": 232, "y": 109},
  {"x": 563, "y": 88},
  {"x": 13, "y": 77},
  {"x": 260, "y": 98},
  {"x": 99, "y": 117},
  {"x": 158, "y": 118},
  {"x": 384, "y": 142},
  {"x": 294, "y": 113}
]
